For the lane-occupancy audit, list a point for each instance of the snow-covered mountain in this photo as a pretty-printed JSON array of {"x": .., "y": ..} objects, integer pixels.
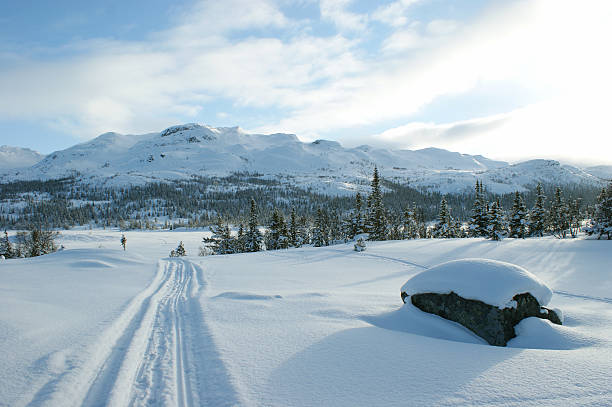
[
  {"x": 192, "y": 150},
  {"x": 17, "y": 157},
  {"x": 601, "y": 171}
]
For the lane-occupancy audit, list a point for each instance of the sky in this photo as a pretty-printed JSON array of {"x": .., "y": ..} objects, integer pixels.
[{"x": 511, "y": 80}]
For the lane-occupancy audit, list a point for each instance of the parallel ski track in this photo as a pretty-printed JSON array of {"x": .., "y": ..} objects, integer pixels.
[
  {"x": 158, "y": 352},
  {"x": 148, "y": 364}
]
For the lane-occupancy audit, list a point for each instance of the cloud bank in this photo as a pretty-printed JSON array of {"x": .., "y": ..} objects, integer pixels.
[{"x": 372, "y": 67}]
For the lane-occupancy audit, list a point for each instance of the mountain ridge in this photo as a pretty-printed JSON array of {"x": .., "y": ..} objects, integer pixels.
[{"x": 191, "y": 150}]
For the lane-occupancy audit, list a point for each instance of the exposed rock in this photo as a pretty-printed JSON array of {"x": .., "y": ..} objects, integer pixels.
[{"x": 494, "y": 325}]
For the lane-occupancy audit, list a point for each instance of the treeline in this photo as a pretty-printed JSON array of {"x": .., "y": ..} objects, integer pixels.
[
  {"x": 66, "y": 203},
  {"x": 372, "y": 219},
  {"x": 31, "y": 243}
]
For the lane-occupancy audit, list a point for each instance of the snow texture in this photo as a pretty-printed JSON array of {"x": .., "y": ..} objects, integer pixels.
[
  {"x": 490, "y": 281},
  {"x": 93, "y": 325}
]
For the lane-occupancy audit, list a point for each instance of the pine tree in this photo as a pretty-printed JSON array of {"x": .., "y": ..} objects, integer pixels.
[
  {"x": 239, "y": 242},
  {"x": 444, "y": 227},
  {"x": 253, "y": 238},
  {"x": 478, "y": 223},
  {"x": 295, "y": 238},
  {"x": 353, "y": 224},
  {"x": 6, "y": 248},
  {"x": 221, "y": 241},
  {"x": 180, "y": 250},
  {"x": 518, "y": 218},
  {"x": 602, "y": 224},
  {"x": 537, "y": 217},
  {"x": 320, "y": 235},
  {"x": 277, "y": 235},
  {"x": 497, "y": 230},
  {"x": 573, "y": 216},
  {"x": 557, "y": 217},
  {"x": 376, "y": 222}
]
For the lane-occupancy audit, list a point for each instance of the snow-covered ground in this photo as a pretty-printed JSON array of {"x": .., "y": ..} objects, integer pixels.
[{"x": 94, "y": 325}]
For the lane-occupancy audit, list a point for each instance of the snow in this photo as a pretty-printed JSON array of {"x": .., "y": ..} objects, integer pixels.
[
  {"x": 490, "y": 281},
  {"x": 94, "y": 325},
  {"x": 180, "y": 152},
  {"x": 17, "y": 157}
]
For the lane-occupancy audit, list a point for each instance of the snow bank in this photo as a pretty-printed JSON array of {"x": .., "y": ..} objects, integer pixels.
[{"x": 490, "y": 281}]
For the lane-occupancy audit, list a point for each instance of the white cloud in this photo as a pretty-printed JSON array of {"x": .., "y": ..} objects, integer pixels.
[
  {"x": 394, "y": 13},
  {"x": 556, "y": 49},
  {"x": 336, "y": 11},
  {"x": 555, "y": 129}
]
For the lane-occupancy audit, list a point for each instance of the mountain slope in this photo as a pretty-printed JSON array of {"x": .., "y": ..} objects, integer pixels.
[
  {"x": 192, "y": 150},
  {"x": 17, "y": 157}
]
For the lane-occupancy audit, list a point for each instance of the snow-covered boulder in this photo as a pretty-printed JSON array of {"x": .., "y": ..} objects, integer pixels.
[{"x": 486, "y": 296}]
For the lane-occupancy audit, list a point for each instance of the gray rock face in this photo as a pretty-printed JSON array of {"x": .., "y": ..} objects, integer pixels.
[{"x": 494, "y": 325}]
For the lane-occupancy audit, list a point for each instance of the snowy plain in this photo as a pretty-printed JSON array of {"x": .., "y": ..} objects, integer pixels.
[{"x": 94, "y": 325}]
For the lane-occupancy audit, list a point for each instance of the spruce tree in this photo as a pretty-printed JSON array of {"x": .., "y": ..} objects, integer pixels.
[
  {"x": 537, "y": 217},
  {"x": 180, "y": 250},
  {"x": 293, "y": 229},
  {"x": 6, "y": 248},
  {"x": 557, "y": 217},
  {"x": 478, "y": 222},
  {"x": 602, "y": 224},
  {"x": 411, "y": 226},
  {"x": 518, "y": 218},
  {"x": 221, "y": 241},
  {"x": 239, "y": 242},
  {"x": 445, "y": 225},
  {"x": 496, "y": 229},
  {"x": 319, "y": 232},
  {"x": 377, "y": 222},
  {"x": 253, "y": 238},
  {"x": 277, "y": 234},
  {"x": 353, "y": 225}
]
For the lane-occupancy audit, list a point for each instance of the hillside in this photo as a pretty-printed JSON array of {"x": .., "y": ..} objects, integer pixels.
[
  {"x": 17, "y": 157},
  {"x": 192, "y": 150}
]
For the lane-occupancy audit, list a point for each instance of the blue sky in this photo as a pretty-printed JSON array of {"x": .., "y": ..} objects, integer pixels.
[{"x": 475, "y": 76}]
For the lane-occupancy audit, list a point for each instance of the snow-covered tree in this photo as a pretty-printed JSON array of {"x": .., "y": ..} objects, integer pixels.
[
  {"x": 123, "y": 241},
  {"x": 537, "y": 216},
  {"x": 557, "y": 217},
  {"x": 221, "y": 241},
  {"x": 445, "y": 225},
  {"x": 478, "y": 223},
  {"x": 602, "y": 224},
  {"x": 376, "y": 219},
  {"x": 518, "y": 218},
  {"x": 353, "y": 223},
  {"x": 293, "y": 229},
  {"x": 573, "y": 216},
  {"x": 6, "y": 248},
  {"x": 496, "y": 228},
  {"x": 253, "y": 238},
  {"x": 320, "y": 234},
  {"x": 36, "y": 242},
  {"x": 179, "y": 251},
  {"x": 412, "y": 223},
  {"x": 277, "y": 236}
]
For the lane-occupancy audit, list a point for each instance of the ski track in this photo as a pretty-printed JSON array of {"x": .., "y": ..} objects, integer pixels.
[{"x": 158, "y": 352}]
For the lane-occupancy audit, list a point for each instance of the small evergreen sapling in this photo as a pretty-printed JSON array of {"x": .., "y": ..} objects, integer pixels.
[{"x": 179, "y": 251}]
